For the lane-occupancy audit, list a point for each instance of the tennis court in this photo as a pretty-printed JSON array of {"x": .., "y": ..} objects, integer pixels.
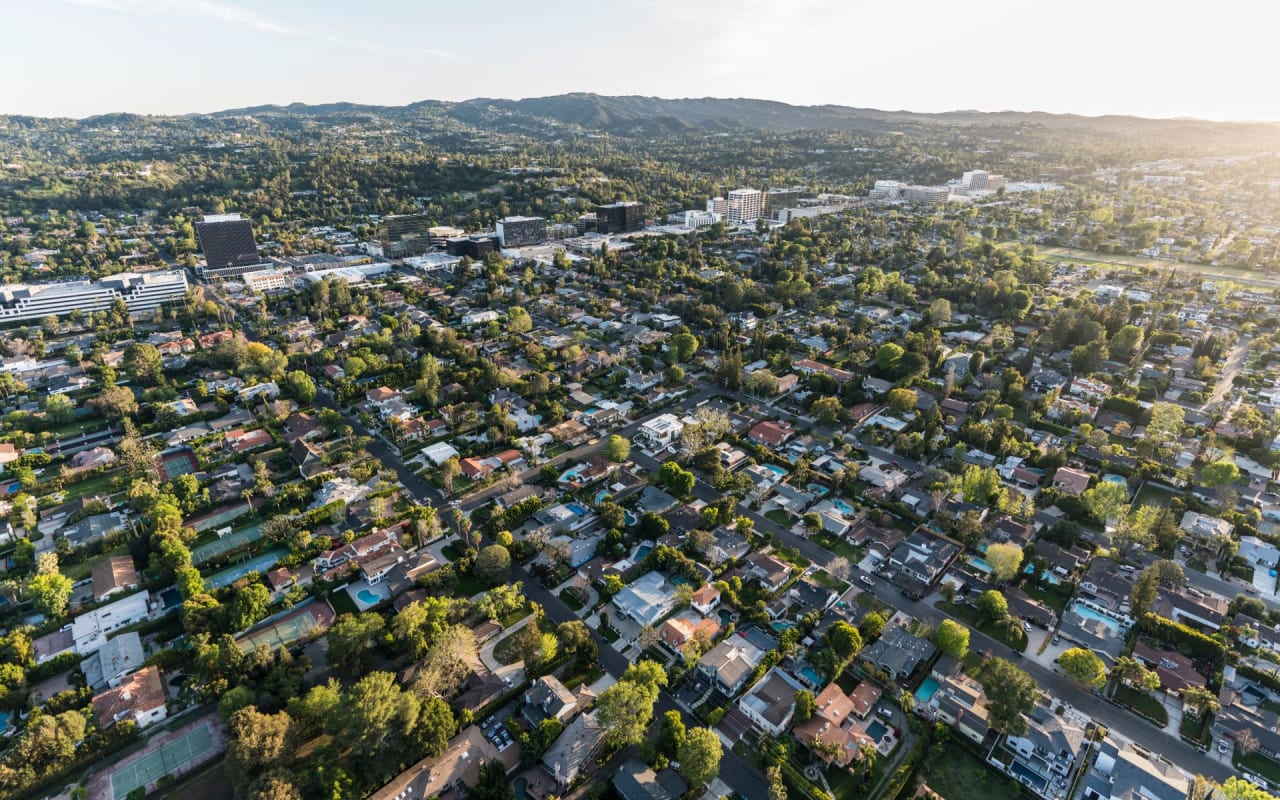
[
  {"x": 227, "y": 544},
  {"x": 288, "y": 627},
  {"x": 168, "y": 759},
  {"x": 234, "y": 573},
  {"x": 218, "y": 518},
  {"x": 178, "y": 462}
]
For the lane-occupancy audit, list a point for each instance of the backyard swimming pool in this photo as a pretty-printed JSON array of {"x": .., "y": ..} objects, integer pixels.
[
  {"x": 817, "y": 489},
  {"x": 811, "y": 675},
  {"x": 776, "y": 470},
  {"x": 629, "y": 518},
  {"x": 642, "y": 551},
  {"x": 601, "y": 495},
  {"x": 1089, "y": 613},
  {"x": 842, "y": 507},
  {"x": 926, "y": 691},
  {"x": 980, "y": 563},
  {"x": 368, "y": 597},
  {"x": 571, "y": 474},
  {"x": 876, "y": 730},
  {"x": 576, "y": 508}
]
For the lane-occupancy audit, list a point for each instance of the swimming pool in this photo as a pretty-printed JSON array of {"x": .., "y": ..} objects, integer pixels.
[
  {"x": 1113, "y": 478},
  {"x": 369, "y": 598},
  {"x": 817, "y": 489},
  {"x": 980, "y": 563},
  {"x": 1031, "y": 779},
  {"x": 842, "y": 507},
  {"x": 1089, "y": 613},
  {"x": 811, "y": 675},
  {"x": 629, "y": 518},
  {"x": 926, "y": 691},
  {"x": 776, "y": 470},
  {"x": 726, "y": 616},
  {"x": 1049, "y": 577},
  {"x": 576, "y": 508},
  {"x": 642, "y": 551},
  {"x": 876, "y": 730},
  {"x": 601, "y": 495},
  {"x": 781, "y": 625},
  {"x": 569, "y": 475}
]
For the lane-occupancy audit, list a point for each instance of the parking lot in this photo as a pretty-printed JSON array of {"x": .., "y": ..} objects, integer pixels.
[{"x": 494, "y": 728}]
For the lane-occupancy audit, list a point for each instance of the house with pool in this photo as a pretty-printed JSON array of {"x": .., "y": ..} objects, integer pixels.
[{"x": 1047, "y": 757}]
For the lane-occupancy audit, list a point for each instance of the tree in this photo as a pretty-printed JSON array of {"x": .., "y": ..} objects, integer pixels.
[
  {"x": 844, "y": 640},
  {"x": 626, "y": 707},
  {"x": 1004, "y": 559},
  {"x": 351, "y": 641},
  {"x": 449, "y": 471},
  {"x": 804, "y": 705},
  {"x": 60, "y": 408},
  {"x": 671, "y": 736},
  {"x": 993, "y": 605},
  {"x": 619, "y": 449},
  {"x": 492, "y": 783},
  {"x": 1106, "y": 500},
  {"x": 420, "y": 624},
  {"x": 901, "y": 400},
  {"x": 50, "y": 592},
  {"x": 980, "y": 485},
  {"x": 1132, "y": 672},
  {"x": 259, "y": 741},
  {"x": 518, "y": 320},
  {"x": 114, "y": 402},
  {"x": 493, "y": 564},
  {"x": 1137, "y": 531},
  {"x": 888, "y": 358},
  {"x": 777, "y": 787},
  {"x": 1083, "y": 667},
  {"x": 683, "y": 346},
  {"x": 1234, "y": 788},
  {"x": 952, "y": 638},
  {"x": 761, "y": 383},
  {"x": 700, "y": 756},
  {"x": 143, "y": 363},
  {"x": 300, "y": 386},
  {"x": 1219, "y": 474},
  {"x": 377, "y": 712},
  {"x": 1126, "y": 342},
  {"x": 250, "y": 605},
  {"x": 827, "y": 410},
  {"x": 1011, "y": 692},
  {"x": 1199, "y": 700}
]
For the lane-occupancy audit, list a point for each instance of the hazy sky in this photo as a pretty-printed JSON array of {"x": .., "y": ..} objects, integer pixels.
[{"x": 1147, "y": 57}]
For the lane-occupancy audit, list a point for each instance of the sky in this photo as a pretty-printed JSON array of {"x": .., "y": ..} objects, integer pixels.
[{"x": 1155, "y": 58}]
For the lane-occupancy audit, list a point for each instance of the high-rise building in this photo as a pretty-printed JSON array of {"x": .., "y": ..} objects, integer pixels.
[
  {"x": 744, "y": 206},
  {"x": 777, "y": 199},
  {"x": 886, "y": 191},
  {"x": 139, "y": 291},
  {"x": 405, "y": 235},
  {"x": 521, "y": 231},
  {"x": 228, "y": 246},
  {"x": 620, "y": 217},
  {"x": 718, "y": 206},
  {"x": 975, "y": 179},
  {"x": 931, "y": 195}
]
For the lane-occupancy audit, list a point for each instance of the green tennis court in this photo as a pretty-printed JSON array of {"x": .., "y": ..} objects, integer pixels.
[
  {"x": 287, "y": 629},
  {"x": 168, "y": 759},
  {"x": 228, "y": 543}
]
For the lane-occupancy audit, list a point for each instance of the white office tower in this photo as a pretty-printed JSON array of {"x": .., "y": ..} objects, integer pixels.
[{"x": 744, "y": 206}]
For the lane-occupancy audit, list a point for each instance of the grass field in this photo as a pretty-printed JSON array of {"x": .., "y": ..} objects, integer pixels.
[
  {"x": 958, "y": 775},
  {"x": 1121, "y": 261},
  {"x": 1144, "y": 703},
  {"x": 208, "y": 784}
]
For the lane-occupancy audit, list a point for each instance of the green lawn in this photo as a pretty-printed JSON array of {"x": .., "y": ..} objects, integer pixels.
[
  {"x": 97, "y": 485},
  {"x": 1197, "y": 729},
  {"x": 1015, "y": 638},
  {"x": 1057, "y": 602},
  {"x": 958, "y": 775},
  {"x": 571, "y": 600},
  {"x": 84, "y": 568},
  {"x": 778, "y": 516},
  {"x": 342, "y": 603},
  {"x": 838, "y": 546},
  {"x": 1144, "y": 703},
  {"x": 1258, "y": 764}
]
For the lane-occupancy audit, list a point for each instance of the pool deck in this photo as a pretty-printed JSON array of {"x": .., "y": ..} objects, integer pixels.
[{"x": 382, "y": 590}]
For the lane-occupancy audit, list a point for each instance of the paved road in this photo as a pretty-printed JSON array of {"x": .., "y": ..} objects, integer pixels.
[
  {"x": 1062, "y": 687},
  {"x": 1232, "y": 366}
]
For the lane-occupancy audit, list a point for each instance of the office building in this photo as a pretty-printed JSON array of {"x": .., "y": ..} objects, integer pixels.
[
  {"x": 930, "y": 195},
  {"x": 521, "y": 231},
  {"x": 228, "y": 246},
  {"x": 718, "y": 206},
  {"x": 887, "y": 191},
  {"x": 777, "y": 199},
  {"x": 267, "y": 280},
  {"x": 975, "y": 179},
  {"x": 699, "y": 219},
  {"x": 586, "y": 223},
  {"x": 405, "y": 235},
  {"x": 744, "y": 206},
  {"x": 620, "y": 218},
  {"x": 140, "y": 293},
  {"x": 475, "y": 247}
]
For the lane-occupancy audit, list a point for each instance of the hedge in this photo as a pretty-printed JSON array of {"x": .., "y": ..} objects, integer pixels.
[{"x": 1175, "y": 633}]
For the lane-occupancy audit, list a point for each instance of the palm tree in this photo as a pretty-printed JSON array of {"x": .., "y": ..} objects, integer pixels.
[{"x": 1200, "y": 701}]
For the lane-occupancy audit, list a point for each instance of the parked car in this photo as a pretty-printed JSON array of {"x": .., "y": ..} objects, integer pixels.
[
  {"x": 867, "y": 581},
  {"x": 1223, "y": 746},
  {"x": 885, "y": 712},
  {"x": 1026, "y": 626}
]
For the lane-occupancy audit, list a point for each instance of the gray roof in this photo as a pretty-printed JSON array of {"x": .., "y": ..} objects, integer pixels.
[
  {"x": 117, "y": 657},
  {"x": 636, "y": 781}
]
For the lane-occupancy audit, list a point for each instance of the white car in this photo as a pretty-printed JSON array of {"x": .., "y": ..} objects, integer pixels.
[
  {"x": 1026, "y": 626},
  {"x": 1223, "y": 746},
  {"x": 867, "y": 581}
]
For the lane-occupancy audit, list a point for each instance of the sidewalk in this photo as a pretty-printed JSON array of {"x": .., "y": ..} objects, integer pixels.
[{"x": 513, "y": 672}]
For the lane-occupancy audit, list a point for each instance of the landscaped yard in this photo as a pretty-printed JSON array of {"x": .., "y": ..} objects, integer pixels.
[
  {"x": 1143, "y": 703},
  {"x": 779, "y": 516},
  {"x": 956, "y": 774},
  {"x": 1014, "y": 637},
  {"x": 1058, "y": 602},
  {"x": 570, "y": 599},
  {"x": 1258, "y": 764},
  {"x": 838, "y": 546},
  {"x": 1197, "y": 729}
]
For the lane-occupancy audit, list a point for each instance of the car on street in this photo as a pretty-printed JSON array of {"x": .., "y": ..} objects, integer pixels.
[{"x": 867, "y": 581}]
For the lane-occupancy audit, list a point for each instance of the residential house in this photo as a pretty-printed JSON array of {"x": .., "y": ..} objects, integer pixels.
[
  {"x": 114, "y": 575},
  {"x": 898, "y": 652},
  {"x": 1047, "y": 756},
  {"x": 574, "y": 749},
  {"x": 1070, "y": 480},
  {"x": 1175, "y": 670},
  {"x": 833, "y": 733},
  {"x": 647, "y": 599},
  {"x": 705, "y": 599},
  {"x": 93, "y": 458},
  {"x": 139, "y": 697},
  {"x": 548, "y": 698},
  {"x": 112, "y": 662},
  {"x": 635, "y": 780},
  {"x": 89, "y": 630},
  {"x": 771, "y": 571},
  {"x": 1204, "y": 529},
  {"x": 1124, "y": 773},
  {"x": 730, "y": 662},
  {"x": 771, "y": 433},
  {"x": 924, "y": 556},
  {"x": 771, "y": 703}
]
